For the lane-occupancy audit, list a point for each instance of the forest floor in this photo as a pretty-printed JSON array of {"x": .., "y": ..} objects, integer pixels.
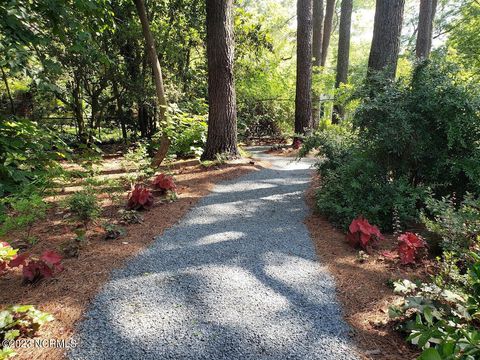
[{"x": 67, "y": 295}]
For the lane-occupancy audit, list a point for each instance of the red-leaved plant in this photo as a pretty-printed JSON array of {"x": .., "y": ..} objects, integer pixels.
[
  {"x": 297, "y": 144},
  {"x": 139, "y": 198},
  {"x": 35, "y": 269},
  {"x": 362, "y": 234},
  {"x": 164, "y": 183},
  {"x": 410, "y": 247}
]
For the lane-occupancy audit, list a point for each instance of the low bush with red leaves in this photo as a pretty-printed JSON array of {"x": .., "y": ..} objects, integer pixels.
[
  {"x": 297, "y": 144},
  {"x": 363, "y": 234},
  {"x": 35, "y": 269},
  {"x": 140, "y": 198},
  {"x": 164, "y": 183},
  {"x": 411, "y": 248}
]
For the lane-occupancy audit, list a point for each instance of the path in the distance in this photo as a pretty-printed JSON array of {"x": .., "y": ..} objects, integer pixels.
[{"x": 236, "y": 278}]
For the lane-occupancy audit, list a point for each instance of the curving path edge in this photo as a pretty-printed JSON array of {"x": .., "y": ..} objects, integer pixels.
[{"x": 236, "y": 278}]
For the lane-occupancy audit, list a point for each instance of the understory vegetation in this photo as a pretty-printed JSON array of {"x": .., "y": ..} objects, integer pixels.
[{"x": 408, "y": 161}]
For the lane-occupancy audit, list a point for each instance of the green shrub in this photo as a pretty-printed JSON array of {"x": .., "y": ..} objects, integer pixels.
[
  {"x": 458, "y": 225},
  {"x": 426, "y": 128},
  {"x": 360, "y": 187},
  {"x": 22, "y": 212},
  {"x": 440, "y": 318},
  {"x": 84, "y": 205},
  {"x": 187, "y": 133},
  {"x": 408, "y": 136},
  {"x": 28, "y": 154},
  {"x": 335, "y": 143},
  {"x": 138, "y": 163},
  {"x": 190, "y": 135}
]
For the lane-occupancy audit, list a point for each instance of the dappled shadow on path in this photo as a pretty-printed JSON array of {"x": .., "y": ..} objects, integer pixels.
[{"x": 237, "y": 278}]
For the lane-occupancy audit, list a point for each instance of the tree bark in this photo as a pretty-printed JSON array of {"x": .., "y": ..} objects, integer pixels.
[
  {"x": 10, "y": 98},
  {"x": 318, "y": 16},
  {"x": 425, "y": 28},
  {"x": 386, "y": 37},
  {"x": 303, "y": 97},
  {"x": 327, "y": 30},
  {"x": 343, "y": 55},
  {"x": 158, "y": 79},
  {"x": 222, "y": 116}
]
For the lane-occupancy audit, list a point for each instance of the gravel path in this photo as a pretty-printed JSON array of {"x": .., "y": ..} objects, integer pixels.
[{"x": 236, "y": 278}]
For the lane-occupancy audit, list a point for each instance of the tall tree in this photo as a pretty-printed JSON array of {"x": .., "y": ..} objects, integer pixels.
[
  {"x": 222, "y": 116},
  {"x": 425, "y": 28},
  {"x": 343, "y": 55},
  {"x": 327, "y": 29},
  {"x": 387, "y": 29},
  {"x": 157, "y": 77},
  {"x": 303, "y": 96},
  {"x": 318, "y": 16}
]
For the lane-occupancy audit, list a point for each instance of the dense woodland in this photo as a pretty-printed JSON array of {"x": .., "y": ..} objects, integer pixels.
[{"x": 385, "y": 93}]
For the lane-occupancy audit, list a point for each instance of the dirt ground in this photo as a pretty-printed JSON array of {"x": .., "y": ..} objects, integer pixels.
[
  {"x": 67, "y": 295},
  {"x": 362, "y": 287}
]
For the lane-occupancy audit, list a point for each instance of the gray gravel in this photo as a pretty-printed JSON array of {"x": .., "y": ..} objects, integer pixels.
[{"x": 236, "y": 278}]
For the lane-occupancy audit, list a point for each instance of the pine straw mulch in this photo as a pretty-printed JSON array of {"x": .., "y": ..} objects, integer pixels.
[
  {"x": 67, "y": 295},
  {"x": 362, "y": 287}
]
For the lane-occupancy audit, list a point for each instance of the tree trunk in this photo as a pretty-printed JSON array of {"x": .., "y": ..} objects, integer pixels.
[
  {"x": 10, "y": 98},
  {"x": 318, "y": 15},
  {"x": 386, "y": 37},
  {"x": 343, "y": 55},
  {"x": 119, "y": 110},
  {"x": 327, "y": 30},
  {"x": 222, "y": 115},
  {"x": 425, "y": 28},
  {"x": 78, "y": 109},
  {"x": 303, "y": 97},
  {"x": 158, "y": 78}
]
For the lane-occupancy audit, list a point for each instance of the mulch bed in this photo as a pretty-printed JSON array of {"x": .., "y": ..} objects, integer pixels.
[{"x": 362, "y": 287}]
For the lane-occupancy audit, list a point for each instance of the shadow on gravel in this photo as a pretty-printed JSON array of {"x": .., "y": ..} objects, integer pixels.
[{"x": 237, "y": 278}]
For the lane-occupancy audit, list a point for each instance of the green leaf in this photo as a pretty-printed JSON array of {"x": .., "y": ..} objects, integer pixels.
[{"x": 430, "y": 354}]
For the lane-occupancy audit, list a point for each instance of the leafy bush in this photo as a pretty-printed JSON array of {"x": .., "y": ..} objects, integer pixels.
[
  {"x": 409, "y": 136},
  {"x": 84, "y": 205},
  {"x": 362, "y": 234},
  {"x": 28, "y": 154},
  {"x": 190, "y": 134},
  {"x": 410, "y": 247},
  {"x": 113, "y": 231},
  {"x": 138, "y": 163},
  {"x": 359, "y": 187},
  {"x": 443, "y": 321},
  {"x": 140, "y": 198},
  {"x": 335, "y": 143},
  {"x": 20, "y": 321},
  {"x": 23, "y": 211},
  {"x": 164, "y": 183},
  {"x": 458, "y": 225},
  {"x": 425, "y": 128}
]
